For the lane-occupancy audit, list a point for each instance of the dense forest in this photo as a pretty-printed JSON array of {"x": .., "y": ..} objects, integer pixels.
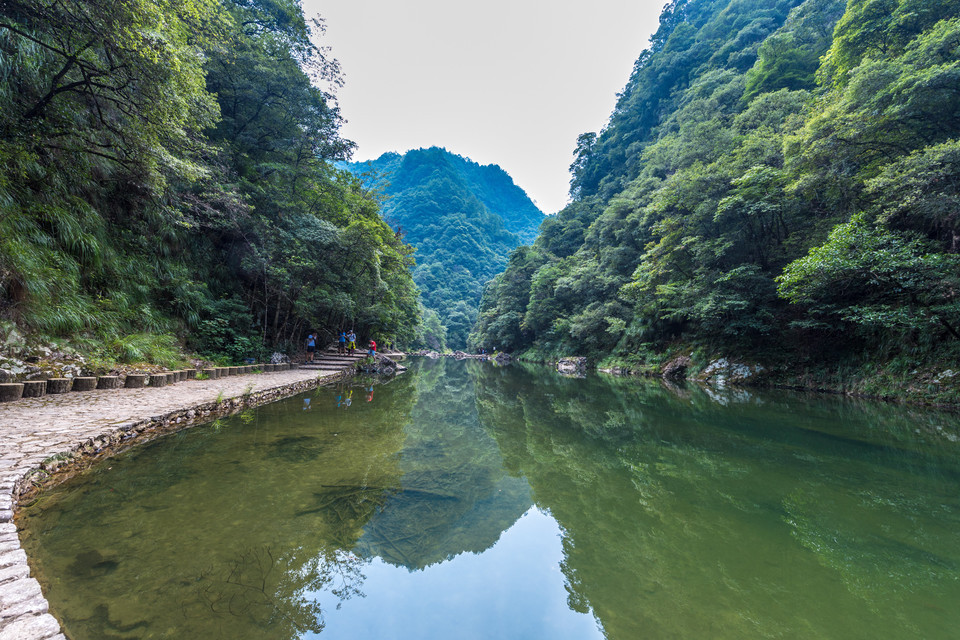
[
  {"x": 463, "y": 219},
  {"x": 167, "y": 173},
  {"x": 779, "y": 180}
]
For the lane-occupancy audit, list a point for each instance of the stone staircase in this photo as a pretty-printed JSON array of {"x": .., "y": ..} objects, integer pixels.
[{"x": 330, "y": 360}]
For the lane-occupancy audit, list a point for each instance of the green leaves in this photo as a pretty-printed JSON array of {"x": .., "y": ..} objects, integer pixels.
[
  {"x": 872, "y": 276},
  {"x": 149, "y": 146}
]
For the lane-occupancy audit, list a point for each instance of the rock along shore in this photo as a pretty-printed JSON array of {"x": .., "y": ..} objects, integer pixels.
[{"x": 47, "y": 439}]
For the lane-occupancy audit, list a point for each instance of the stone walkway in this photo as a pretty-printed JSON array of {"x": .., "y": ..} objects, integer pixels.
[{"x": 71, "y": 425}]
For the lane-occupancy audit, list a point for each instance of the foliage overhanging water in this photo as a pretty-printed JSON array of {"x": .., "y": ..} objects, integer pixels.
[{"x": 467, "y": 501}]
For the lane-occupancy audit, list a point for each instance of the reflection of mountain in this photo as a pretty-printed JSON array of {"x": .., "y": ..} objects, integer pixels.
[
  {"x": 686, "y": 518},
  {"x": 455, "y": 496},
  {"x": 224, "y": 532}
]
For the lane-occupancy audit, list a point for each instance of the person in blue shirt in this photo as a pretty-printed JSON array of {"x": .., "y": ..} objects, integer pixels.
[
  {"x": 342, "y": 343},
  {"x": 311, "y": 345}
]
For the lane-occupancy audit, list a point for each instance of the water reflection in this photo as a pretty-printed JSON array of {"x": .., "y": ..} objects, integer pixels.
[
  {"x": 693, "y": 514},
  {"x": 221, "y": 533},
  {"x": 455, "y": 495},
  {"x": 463, "y": 500}
]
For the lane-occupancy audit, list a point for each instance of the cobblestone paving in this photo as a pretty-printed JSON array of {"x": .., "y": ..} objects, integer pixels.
[{"x": 34, "y": 429}]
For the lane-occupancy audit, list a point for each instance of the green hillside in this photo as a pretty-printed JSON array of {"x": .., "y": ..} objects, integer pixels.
[
  {"x": 463, "y": 219},
  {"x": 167, "y": 180},
  {"x": 778, "y": 181}
]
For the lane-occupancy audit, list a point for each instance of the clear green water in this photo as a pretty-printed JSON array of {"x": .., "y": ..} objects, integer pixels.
[{"x": 462, "y": 500}]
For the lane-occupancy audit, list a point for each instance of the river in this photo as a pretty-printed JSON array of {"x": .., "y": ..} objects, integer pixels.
[{"x": 462, "y": 500}]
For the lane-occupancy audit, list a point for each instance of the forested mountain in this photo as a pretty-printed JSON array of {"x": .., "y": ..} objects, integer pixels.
[
  {"x": 778, "y": 179},
  {"x": 463, "y": 219},
  {"x": 166, "y": 169}
]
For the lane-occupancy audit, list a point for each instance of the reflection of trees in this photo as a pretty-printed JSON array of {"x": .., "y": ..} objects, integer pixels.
[
  {"x": 455, "y": 496},
  {"x": 225, "y": 533},
  {"x": 683, "y": 517}
]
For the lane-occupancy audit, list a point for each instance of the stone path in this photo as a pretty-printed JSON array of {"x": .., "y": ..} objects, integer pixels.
[{"x": 33, "y": 430}]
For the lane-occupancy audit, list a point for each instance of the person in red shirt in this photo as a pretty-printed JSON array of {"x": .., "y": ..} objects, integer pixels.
[{"x": 373, "y": 348}]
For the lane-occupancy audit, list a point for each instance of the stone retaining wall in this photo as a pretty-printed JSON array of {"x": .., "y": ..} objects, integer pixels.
[{"x": 57, "y": 453}]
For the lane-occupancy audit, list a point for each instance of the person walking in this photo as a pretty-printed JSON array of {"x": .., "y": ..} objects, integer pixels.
[{"x": 311, "y": 345}]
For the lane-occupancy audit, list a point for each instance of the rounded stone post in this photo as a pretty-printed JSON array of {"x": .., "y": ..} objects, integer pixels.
[
  {"x": 10, "y": 391},
  {"x": 59, "y": 385},
  {"x": 84, "y": 384},
  {"x": 212, "y": 374},
  {"x": 136, "y": 380},
  {"x": 191, "y": 374},
  {"x": 108, "y": 382},
  {"x": 34, "y": 388},
  {"x": 158, "y": 380}
]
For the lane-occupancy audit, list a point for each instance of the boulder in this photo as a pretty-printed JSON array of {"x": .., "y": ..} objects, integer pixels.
[
  {"x": 380, "y": 365},
  {"x": 676, "y": 369},
  {"x": 723, "y": 371},
  {"x": 573, "y": 365}
]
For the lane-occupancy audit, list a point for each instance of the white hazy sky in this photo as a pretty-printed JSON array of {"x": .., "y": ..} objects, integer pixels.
[{"x": 507, "y": 82}]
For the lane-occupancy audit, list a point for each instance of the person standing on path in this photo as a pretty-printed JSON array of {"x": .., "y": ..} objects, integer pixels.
[
  {"x": 373, "y": 348},
  {"x": 351, "y": 341},
  {"x": 311, "y": 345},
  {"x": 342, "y": 344}
]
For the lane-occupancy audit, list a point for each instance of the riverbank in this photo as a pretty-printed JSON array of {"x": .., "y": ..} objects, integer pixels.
[
  {"x": 934, "y": 384},
  {"x": 46, "y": 440}
]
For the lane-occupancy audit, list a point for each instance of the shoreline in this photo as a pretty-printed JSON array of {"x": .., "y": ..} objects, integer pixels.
[{"x": 49, "y": 440}]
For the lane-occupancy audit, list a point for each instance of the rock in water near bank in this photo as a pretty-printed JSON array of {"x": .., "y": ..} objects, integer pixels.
[
  {"x": 721, "y": 372},
  {"x": 572, "y": 366},
  {"x": 381, "y": 365},
  {"x": 676, "y": 369}
]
